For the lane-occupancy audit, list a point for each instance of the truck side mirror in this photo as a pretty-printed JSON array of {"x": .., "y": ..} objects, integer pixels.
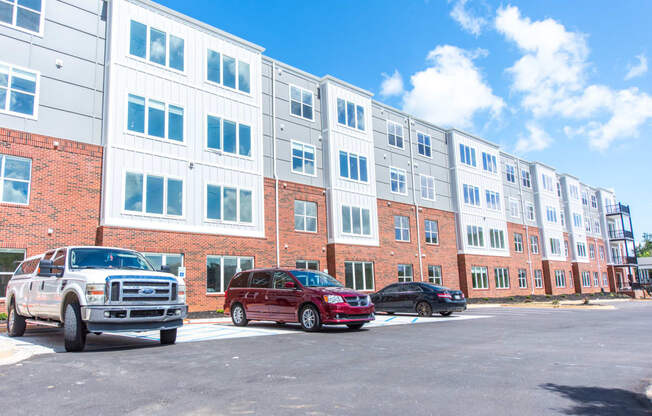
[{"x": 45, "y": 268}]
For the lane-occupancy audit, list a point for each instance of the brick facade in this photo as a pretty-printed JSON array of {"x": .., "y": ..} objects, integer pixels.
[{"x": 594, "y": 265}]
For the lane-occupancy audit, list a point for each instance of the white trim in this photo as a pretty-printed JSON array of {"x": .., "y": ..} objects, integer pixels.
[
  {"x": 346, "y": 121},
  {"x": 298, "y": 143},
  {"x": 401, "y": 229},
  {"x": 143, "y": 212},
  {"x": 305, "y": 216},
  {"x": 238, "y": 269},
  {"x": 37, "y": 91},
  {"x": 429, "y": 146},
  {"x": 301, "y": 117},
  {"x": 388, "y": 121},
  {"x": 398, "y": 172},
  {"x": 237, "y": 74},
  {"x": 237, "y": 206},
  {"x": 144, "y": 134},
  {"x": 3, "y": 159},
  {"x": 221, "y": 151},
  {"x": 147, "y": 58},
  {"x": 22, "y": 29},
  {"x": 348, "y": 167},
  {"x": 434, "y": 188}
]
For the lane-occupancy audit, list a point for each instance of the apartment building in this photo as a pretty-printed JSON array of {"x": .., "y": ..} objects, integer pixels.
[{"x": 132, "y": 125}]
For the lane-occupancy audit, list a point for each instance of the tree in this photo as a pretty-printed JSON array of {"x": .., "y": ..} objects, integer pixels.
[{"x": 644, "y": 249}]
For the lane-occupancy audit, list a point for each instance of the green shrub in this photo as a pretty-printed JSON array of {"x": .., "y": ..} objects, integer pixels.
[
  {"x": 220, "y": 311},
  {"x": 3, "y": 316}
]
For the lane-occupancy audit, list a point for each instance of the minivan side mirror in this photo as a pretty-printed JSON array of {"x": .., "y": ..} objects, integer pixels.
[
  {"x": 46, "y": 268},
  {"x": 290, "y": 285}
]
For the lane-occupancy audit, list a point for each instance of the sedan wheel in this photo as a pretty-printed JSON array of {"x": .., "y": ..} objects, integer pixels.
[
  {"x": 310, "y": 319},
  {"x": 238, "y": 316},
  {"x": 424, "y": 309}
]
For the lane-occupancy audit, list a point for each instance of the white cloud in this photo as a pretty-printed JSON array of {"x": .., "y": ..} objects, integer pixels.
[
  {"x": 639, "y": 69},
  {"x": 536, "y": 139},
  {"x": 451, "y": 90},
  {"x": 470, "y": 23},
  {"x": 391, "y": 85}
]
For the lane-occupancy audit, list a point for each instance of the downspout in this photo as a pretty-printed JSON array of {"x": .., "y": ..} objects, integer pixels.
[
  {"x": 414, "y": 196},
  {"x": 527, "y": 230},
  {"x": 273, "y": 109}
]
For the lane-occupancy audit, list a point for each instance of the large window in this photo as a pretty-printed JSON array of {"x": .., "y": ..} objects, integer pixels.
[
  {"x": 551, "y": 214},
  {"x": 307, "y": 264},
  {"x": 424, "y": 145},
  {"x": 474, "y": 236},
  {"x": 154, "y": 118},
  {"x": 353, "y": 166},
  {"x": 510, "y": 173},
  {"x": 547, "y": 183},
  {"x": 356, "y": 220},
  {"x": 605, "y": 279},
  {"x": 153, "y": 194},
  {"x": 428, "y": 187},
  {"x": 489, "y": 162},
  {"x": 24, "y": 15},
  {"x": 432, "y": 232},
  {"x": 480, "y": 277},
  {"x": 555, "y": 247},
  {"x": 574, "y": 191},
  {"x": 305, "y": 216},
  {"x": 594, "y": 202},
  {"x": 359, "y": 275},
  {"x": 15, "y": 179},
  {"x": 228, "y": 71},
  {"x": 534, "y": 244},
  {"x": 566, "y": 251},
  {"x": 350, "y": 114},
  {"x": 518, "y": 242},
  {"x": 395, "y": 134},
  {"x": 303, "y": 158},
  {"x": 9, "y": 261},
  {"x": 514, "y": 209},
  {"x": 592, "y": 251},
  {"x": 220, "y": 270},
  {"x": 522, "y": 278},
  {"x": 301, "y": 102},
  {"x": 560, "y": 278},
  {"x": 502, "y": 277},
  {"x": 581, "y": 249},
  {"x": 401, "y": 228},
  {"x": 493, "y": 200},
  {"x": 471, "y": 195},
  {"x": 224, "y": 203},
  {"x": 467, "y": 155},
  {"x": 398, "y": 181},
  {"x": 173, "y": 261},
  {"x": 497, "y": 238},
  {"x": 529, "y": 212},
  {"x": 596, "y": 279},
  {"x": 525, "y": 175},
  {"x": 405, "y": 273},
  {"x": 434, "y": 275},
  {"x": 586, "y": 279},
  {"x": 577, "y": 220},
  {"x": 228, "y": 136},
  {"x": 19, "y": 89},
  {"x": 156, "y": 46},
  {"x": 538, "y": 279}
]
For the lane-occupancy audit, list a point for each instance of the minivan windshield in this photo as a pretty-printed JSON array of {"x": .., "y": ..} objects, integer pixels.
[
  {"x": 310, "y": 278},
  {"x": 107, "y": 258}
]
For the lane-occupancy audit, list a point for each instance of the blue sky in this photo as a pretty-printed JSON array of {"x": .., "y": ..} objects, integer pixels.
[{"x": 564, "y": 83}]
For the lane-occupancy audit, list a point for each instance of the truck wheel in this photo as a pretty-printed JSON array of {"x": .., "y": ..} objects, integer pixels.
[
  {"x": 74, "y": 333},
  {"x": 168, "y": 336},
  {"x": 15, "y": 323}
]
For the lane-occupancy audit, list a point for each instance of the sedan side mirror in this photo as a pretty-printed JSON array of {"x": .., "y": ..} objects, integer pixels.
[{"x": 290, "y": 285}]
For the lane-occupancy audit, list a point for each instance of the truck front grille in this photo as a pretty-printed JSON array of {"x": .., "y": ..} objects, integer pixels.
[{"x": 130, "y": 290}]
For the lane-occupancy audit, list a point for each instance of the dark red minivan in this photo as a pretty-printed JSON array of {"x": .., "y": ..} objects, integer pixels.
[{"x": 309, "y": 297}]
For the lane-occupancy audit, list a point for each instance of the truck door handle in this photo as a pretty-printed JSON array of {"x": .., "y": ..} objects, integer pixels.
[{"x": 42, "y": 284}]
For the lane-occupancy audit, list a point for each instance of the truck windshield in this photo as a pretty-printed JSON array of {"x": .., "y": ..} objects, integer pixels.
[
  {"x": 311, "y": 278},
  {"x": 106, "y": 258}
]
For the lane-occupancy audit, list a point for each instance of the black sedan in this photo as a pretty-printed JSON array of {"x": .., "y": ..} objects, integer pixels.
[{"x": 419, "y": 297}]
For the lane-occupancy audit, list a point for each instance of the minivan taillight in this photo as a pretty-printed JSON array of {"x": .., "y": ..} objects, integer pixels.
[{"x": 444, "y": 295}]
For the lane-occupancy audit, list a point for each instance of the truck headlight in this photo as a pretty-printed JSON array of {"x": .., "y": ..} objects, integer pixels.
[
  {"x": 181, "y": 294},
  {"x": 95, "y": 294},
  {"x": 333, "y": 299}
]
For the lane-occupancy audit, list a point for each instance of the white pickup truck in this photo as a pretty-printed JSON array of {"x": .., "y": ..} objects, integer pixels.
[{"x": 94, "y": 289}]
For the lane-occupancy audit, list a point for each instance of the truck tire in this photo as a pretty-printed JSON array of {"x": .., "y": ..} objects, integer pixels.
[
  {"x": 15, "y": 323},
  {"x": 168, "y": 336},
  {"x": 74, "y": 333}
]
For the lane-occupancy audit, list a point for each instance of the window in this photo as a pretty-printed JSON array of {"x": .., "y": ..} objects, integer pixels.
[
  {"x": 359, "y": 275},
  {"x": 434, "y": 275},
  {"x": 305, "y": 216},
  {"x": 601, "y": 252},
  {"x": 9, "y": 261},
  {"x": 522, "y": 278},
  {"x": 510, "y": 172},
  {"x": 587, "y": 225},
  {"x": 518, "y": 242},
  {"x": 596, "y": 279},
  {"x": 514, "y": 210},
  {"x": 19, "y": 89},
  {"x": 173, "y": 261},
  {"x": 538, "y": 279},
  {"x": 493, "y": 200},
  {"x": 497, "y": 238},
  {"x": 525, "y": 175},
  {"x": 565, "y": 248},
  {"x": 307, "y": 264},
  {"x": 594, "y": 202},
  {"x": 502, "y": 278},
  {"x": 560, "y": 278},
  {"x": 570, "y": 278},
  {"x": 353, "y": 166},
  {"x": 356, "y": 220},
  {"x": 558, "y": 189},
  {"x": 547, "y": 183},
  {"x": 605, "y": 279},
  {"x": 592, "y": 251},
  {"x": 424, "y": 145},
  {"x": 156, "y": 46},
  {"x": 471, "y": 195},
  {"x": 585, "y": 198},
  {"x": 534, "y": 244},
  {"x": 24, "y": 15},
  {"x": 397, "y": 181},
  {"x": 404, "y": 273},
  {"x": 303, "y": 158},
  {"x": 157, "y": 119},
  {"x": 551, "y": 214},
  {"x": 230, "y": 137},
  {"x": 480, "y": 277},
  {"x": 395, "y": 134},
  {"x": 153, "y": 194},
  {"x": 574, "y": 192},
  {"x": 474, "y": 236},
  {"x": 301, "y": 102},
  {"x": 228, "y": 204},
  {"x": 467, "y": 155},
  {"x": 227, "y": 71},
  {"x": 15, "y": 179},
  {"x": 489, "y": 162},
  {"x": 586, "y": 279},
  {"x": 529, "y": 210},
  {"x": 432, "y": 232},
  {"x": 350, "y": 114},
  {"x": 596, "y": 227},
  {"x": 577, "y": 220},
  {"x": 581, "y": 250},
  {"x": 401, "y": 228},
  {"x": 428, "y": 187},
  {"x": 220, "y": 270},
  {"x": 555, "y": 247}
]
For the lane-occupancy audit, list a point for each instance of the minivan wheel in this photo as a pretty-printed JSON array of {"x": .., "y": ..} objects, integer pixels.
[
  {"x": 424, "y": 309},
  {"x": 74, "y": 333},
  {"x": 310, "y": 320},
  {"x": 15, "y": 323},
  {"x": 449, "y": 313},
  {"x": 238, "y": 315},
  {"x": 168, "y": 336},
  {"x": 355, "y": 327}
]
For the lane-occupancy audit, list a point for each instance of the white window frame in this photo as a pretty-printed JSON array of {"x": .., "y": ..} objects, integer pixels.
[
  {"x": 14, "y": 25},
  {"x": 143, "y": 212},
  {"x": 560, "y": 278},
  {"x": 489, "y": 163},
  {"x": 514, "y": 209},
  {"x": 147, "y": 57},
  {"x": 586, "y": 279},
  {"x": 555, "y": 246},
  {"x": 518, "y": 242},
  {"x": 37, "y": 90},
  {"x": 301, "y": 90},
  {"x": 547, "y": 182},
  {"x": 428, "y": 230},
  {"x": 306, "y": 216},
  {"x": 348, "y": 166},
  {"x": 402, "y": 226},
  {"x": 538, "y": 279},
  {"x": 3, "y": 162},
  {"x": 581, "y": 250},
  {"x": 237, "y": 205},
  {"x": 496, "y": 239},
  {"x": 551, "y": 214},
  {"x": 364, "y": 275},
  {"x": 166, "y": 130},
  {"x": 402, "y": 136},
  {"x": 164, "y": 257},
  {"x": 406, "y": 277},
  {"x": 351, "y": 233},
  {"x": 302, "y": 146},
  {"x": 492, "y": 200},
  {"x": 594, "y": 202},
  {"x": 509, "y": 173},
  {"x": 502, "y": 278},
  {"x": 433, "y": 279},
  {"x": 237, "y": 154},
  {"x": 12, "y": 251},
  {"x": 429, "y": 187},
  {"x": 531, "y": 215},
  {"x": 534, "y": 244},
  {"x": 237, "y": 73},
  {"x": 473, "y": 161},
  {"x": 473, "y": 193},
  {"x": 238, "y": 269},
  {"x": 422, "y": 137},
  {"x": 525, "y": 176},
  {"x": 355, "y": 113},
  {"x": 473, "y": 233},
  {"x": 400, "y": 173},
  {"x": 522, "y": 278},
  {"x": 479, "y": 278}
]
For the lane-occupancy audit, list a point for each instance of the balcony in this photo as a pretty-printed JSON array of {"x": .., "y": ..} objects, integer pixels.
[
  {"x": 617, "y": 209},
  {"x": 621, "y": 235},
  {"x": 625, "y": 261}
]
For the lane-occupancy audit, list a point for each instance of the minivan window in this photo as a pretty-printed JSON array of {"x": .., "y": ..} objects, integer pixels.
[
  {"x": 240, "y": 280},
  {"x": 310, "y": 278},
  {"x": 280, "y": 279},
  {"x": 261, "y": 280}
]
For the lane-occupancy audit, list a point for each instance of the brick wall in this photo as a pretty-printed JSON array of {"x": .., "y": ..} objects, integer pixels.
[
  {"x": 592, "y": 266},
  {"x": 549, "y": 268}
]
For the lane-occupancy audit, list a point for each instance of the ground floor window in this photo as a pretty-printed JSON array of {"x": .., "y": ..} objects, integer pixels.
[
  {"x": 560, "y": 278},
  {"x": 434, "y": 275},
  {"x": 404, "y": 272},
  {"x": 307, "y": 264},
  {"x": 605, "y": 279},
  {"x": 586, "y": 279},
  {"x": 596, "y": 279},
  {"x": 359, "y": 275},
  {"x": 480, "y": 277},
  {"x": 570, "y": 278},
  {"x": 538, "y": 279},
  {"x": 522, "y": 278},
  {"x": 220, "y": 270},
  {"x": 9, "y": 261},
  {"x": 502, "y": 278},
  {"x": 173, "y": 261}
]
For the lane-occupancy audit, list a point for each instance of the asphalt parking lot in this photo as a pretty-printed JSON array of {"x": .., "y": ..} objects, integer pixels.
[{"x": 490, "y": 361}]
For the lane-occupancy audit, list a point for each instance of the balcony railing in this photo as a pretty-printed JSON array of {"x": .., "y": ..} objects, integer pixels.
[
  {"x": 617, "y": 209},
  {"x": 624, "y": 261},
  {"x": 621, "y": 235}
]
